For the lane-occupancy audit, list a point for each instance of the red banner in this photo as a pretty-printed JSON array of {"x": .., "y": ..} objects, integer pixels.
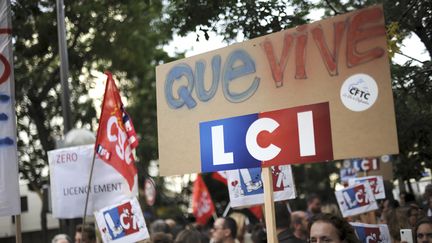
[
  {"x": 202, "y": 204},
  {"x": 116, "y": 136}
]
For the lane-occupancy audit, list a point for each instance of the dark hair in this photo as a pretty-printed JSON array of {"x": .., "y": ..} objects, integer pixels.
[
  {"x": 188, "y": 236},
  {"x": 283, "y": 216},
  {"x": 424, "y": 220},
  {"x": 312, "y": 197},
  {"x": 88, "y": 231},
  {"x": 344, "y": 230},
  {"x": 230, "y": 223},
  {"x": 159, "y": 225},
  {"x": 161, "y": 237}
]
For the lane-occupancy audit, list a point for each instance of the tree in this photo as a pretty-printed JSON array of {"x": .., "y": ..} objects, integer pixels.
[{"x": 125, "y": 37}]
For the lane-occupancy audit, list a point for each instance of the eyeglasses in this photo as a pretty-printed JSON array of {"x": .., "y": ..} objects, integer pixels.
[{"x": 421, "y": 235}]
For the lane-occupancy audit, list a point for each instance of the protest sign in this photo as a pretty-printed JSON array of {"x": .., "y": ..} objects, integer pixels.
[
  {"x": 376, "y": 183},
  {"x": 69, "y": 174},
  {"x": 341, "y": 62},
  {"x": 10, "y": 203},
  {"x": 356, "y": 199},
  {"x": 372, "y": 233},
  {"x": 122, "y": 223},
  {"x": 245, "y": 186}
]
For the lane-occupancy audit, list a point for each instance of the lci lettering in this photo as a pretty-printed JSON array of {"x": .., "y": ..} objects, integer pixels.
[
  {"x": 294, "y": 135},
  {"x": 238, "y": 64},
  {"x": 66, "y": 158}
]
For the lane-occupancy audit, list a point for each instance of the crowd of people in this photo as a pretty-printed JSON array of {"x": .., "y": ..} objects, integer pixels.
[{"x": 317, "y": 223}]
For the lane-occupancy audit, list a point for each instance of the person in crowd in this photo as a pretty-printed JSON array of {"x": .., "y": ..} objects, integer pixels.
[
  {"x": 331, "y": 228},
  {"x": 85, "y": 234},
  {"x": 413, "y": 213},
  {"x": 331, "y": 208},
  {"x": 159, "y": 225},
  {"x": 423, "y": 231},
  {"x": 426, "y": 195},
  {"x": 283, "y": 224},
  {"x": 61, "y": 238},
  {"x": 396, "y": 219},
  {"x": 241, "y": 222},
  {"x": 224, "y": 230},
  {"x": 313, "y": 205},
  {"x": 258, "y": 234},
  {"x": 188, "y": 236},
  {"x": 299, "y": 223},
  {"x": 161, "y": 237}
]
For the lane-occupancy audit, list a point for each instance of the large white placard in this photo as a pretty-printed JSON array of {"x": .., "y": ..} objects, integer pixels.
[
  {"x": 376, "y": 183},
  {"x": 245, "y": 186},
  {"x": 9, "y": 187},
  {"x": 356, "y": 199},
  {"x": 69, "y": 173},
  {"x": 122, "y": 223}
]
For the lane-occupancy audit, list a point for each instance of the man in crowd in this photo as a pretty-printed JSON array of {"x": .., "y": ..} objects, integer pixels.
[
  {"x": 224, "y": 230},
  {"x": 299, "y": 222},
  {"x": 85, "y": 234},
  {"x": 313, "y": 205},
  {"x": 283, "y": 224}
]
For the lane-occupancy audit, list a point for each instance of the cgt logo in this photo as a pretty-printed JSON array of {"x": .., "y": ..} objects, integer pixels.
[
  {"x": 121, "y": 221},
  {"x": 289, "y": 136}
]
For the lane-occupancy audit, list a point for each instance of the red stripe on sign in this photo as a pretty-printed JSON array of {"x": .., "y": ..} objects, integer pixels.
[{"x": 303, "y": 135}]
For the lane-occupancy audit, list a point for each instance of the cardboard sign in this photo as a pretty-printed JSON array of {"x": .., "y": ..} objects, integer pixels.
[
  {"x": 69, "y": 174},
  {"x": 341, "y": 61},
  {"x": 372, "y": 233},
  {"x": 356, "y": 199},
  {"x": 122, "y": 223},
  {"x": 376, "y": 183},
  {"x": 245, "y": 186},
  {"x": 10, "y": 203}
]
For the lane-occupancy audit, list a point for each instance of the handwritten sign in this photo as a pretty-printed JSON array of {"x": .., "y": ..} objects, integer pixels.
[
  {"x": 9, "y": 187},
  {"x": 245, "y": 186},
  {"x": 341, "y": 60},
  {"x": 356, "y": 199},
  {"x": 372, "y": 233},
  {"x": 122, "y": 223},
  {"x": 69, "y": 174},
  {"x": 376, "y": 183}
]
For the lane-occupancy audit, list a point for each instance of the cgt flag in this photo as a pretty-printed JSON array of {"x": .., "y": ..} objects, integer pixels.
[
  {"x": 202, "y": 204},
  {"x": 116, "y": 137}
]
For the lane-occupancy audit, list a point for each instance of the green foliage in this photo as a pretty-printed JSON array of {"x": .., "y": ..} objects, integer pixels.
[{"x": 125, "y": 37}]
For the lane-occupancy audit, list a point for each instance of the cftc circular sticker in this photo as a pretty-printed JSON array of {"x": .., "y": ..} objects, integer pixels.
[{"x": 359, "y": 92}]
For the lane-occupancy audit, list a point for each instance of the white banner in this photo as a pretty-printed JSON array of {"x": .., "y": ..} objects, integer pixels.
[
  {"x": 376, "y": 183},
  {"x": 9, "y": 188},
  {"x": 245, "y": 186},
  {"x": 371, "y": 233},
  {"x": 69, "y": 173},
  {"x": 356, "y": 199},
  {"x": 122, "y": 222}
]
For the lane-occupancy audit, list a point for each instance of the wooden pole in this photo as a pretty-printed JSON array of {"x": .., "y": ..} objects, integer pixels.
[
  {"x": 18, "y": 236},
  {"x": 269, "y": 208}
]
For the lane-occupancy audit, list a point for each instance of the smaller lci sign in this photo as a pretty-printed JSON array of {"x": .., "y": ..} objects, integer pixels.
[{"x": 288, "y": 136}]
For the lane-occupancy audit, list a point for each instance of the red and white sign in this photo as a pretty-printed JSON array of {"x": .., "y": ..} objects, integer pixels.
[
  {"x": 9, "y": 187},
  {"x": 356, "y": 199},
  {"x": 122, "y": 223},
  {"x": 376, "y": 183}
]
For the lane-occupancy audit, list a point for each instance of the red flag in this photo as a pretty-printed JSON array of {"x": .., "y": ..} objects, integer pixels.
[
  {"x": 220, "y": 176},
  {"x": 257, "y": 211},
  {"x": 116, "y": 137},
  {"x": 202, "y": 204}
]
